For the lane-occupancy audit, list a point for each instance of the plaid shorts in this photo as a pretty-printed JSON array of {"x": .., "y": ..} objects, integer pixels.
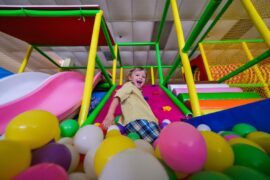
[{"x": 148, "y": 130}]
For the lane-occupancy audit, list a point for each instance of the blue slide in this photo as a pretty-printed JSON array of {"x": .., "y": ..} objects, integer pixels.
[{"x": 4, "y": 72}]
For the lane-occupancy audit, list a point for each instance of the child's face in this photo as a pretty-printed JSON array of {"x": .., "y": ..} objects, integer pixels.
[{"x": 138, "y": 78}]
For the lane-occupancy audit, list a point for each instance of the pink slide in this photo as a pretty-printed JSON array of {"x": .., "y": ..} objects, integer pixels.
[
  {"x": 177, "y": 91},
  {"x": 157, "y": 99},
  {"x": 60, "y": 94}
]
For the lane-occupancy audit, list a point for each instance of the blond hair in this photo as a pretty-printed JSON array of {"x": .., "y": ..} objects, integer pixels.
[{"x": 136, "y": 69}]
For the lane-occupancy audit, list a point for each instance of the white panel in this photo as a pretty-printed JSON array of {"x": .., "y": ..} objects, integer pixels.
[
  {"x": 152, "y": 58},
  {"x": 168, "y": 57},
  {"x": 120, "y": 10},
  {"x": 143, "y": 9},
  {"x": 67, "y": 2},
  {"x": 2, "y": 2},
  {"x": 103, "y": 59},
  {"x": 81, "y": 58},
  {"x": 140, "y": 58},
  {"x": 172, "y": 43},
  {"x": 17, "y": 2},
  {"x": 220, "y": 29},
  {"x": 142, "y": 32},
  {"x": 91, "y": 2},
  {"x": 123, "y": 33},
  {"x": 42, "y": 2},
  {"x": 192, "y": 9},
  {"x": 160, "y": 7},
  {"x": 127, "y": 58}
]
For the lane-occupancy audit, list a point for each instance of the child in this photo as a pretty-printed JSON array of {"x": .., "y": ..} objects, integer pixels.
[{"x": 137, "y": 115}]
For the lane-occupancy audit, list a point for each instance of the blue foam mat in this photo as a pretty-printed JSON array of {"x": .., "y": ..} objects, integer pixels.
[{"x": 256, "y": 114}]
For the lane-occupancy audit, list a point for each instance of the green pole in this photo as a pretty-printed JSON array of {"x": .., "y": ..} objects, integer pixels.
[
  {"x": 136, "y": 43},
  {"x": 74, "y": 67},
  {"x": 228, "y": 3},
  {"x": 175, "y": 65},
  {"x": 234, "y": 41},
  {"x": 162, "y": 22},
  {"x": 247, "y": 85},
  {"x": 99, "y": 107},
  {"x": 249, "y": 64},
  {"x": 119, "y": 57},
  {"x": 208, "y": 12},
  {"x": 159, "y": 64},
  {"x": 106, "y": 34},
  {"x": 47, "y": 13},
  {"x": 178, "y": 103},
  {"x": 46, "y": 56},
  {"x": 103, "y": 70}
]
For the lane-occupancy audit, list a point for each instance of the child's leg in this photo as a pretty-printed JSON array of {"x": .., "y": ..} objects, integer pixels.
[{"x": 149, "y": 131}]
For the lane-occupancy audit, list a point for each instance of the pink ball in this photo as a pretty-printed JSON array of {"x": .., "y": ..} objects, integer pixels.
[
  {"x": 182, "y": 147},
  {"x": 43, "y": 171},
  {"x": 230, "y": 136}
]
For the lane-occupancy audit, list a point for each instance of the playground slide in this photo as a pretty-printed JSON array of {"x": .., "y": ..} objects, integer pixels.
[
  {"x": 160, "y": 103},
  {"x": 18, "y": 85},
  {"x": 171, "y": 87},
  {"x": 4, "y": 72},
  {"x": 60, "y": 94},
  {"x": 177, "y": 91}
]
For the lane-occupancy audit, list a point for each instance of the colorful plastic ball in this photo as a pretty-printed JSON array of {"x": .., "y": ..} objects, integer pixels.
[
  {"x": 243, "y": 129},
  {"x": 43, "y": 171},
  {"x": 261, "y": 138},
  {"x": 144, "y": 146},
  {"x": 182, "y": 147},
  {"x": 33, "y": 128},
  {"x": 224, "y": 133},
  {"x": 75, "y": 157},
  {"x": 134, "y": 136},
  {"x": 65, "y": 140},
  {"x": 69, "y": 128},
  {"x": 113, "y": 127},
  {"x": 121, "y": 128},
  {"x": 244, "y": 141},
  {"x": 167, "y": 121},
  {"x": 249, "y": 156},
  {"x": 203, "y": 175},
  {"x": 230, "y": 136},
  {"x": 243, "y": 173},
  {"x": 203, "y": 127},
  {"x": 88, "y": 164},
  {"x": 88, "y": 137},
  {"x": 163, "y": 125},
  {"x": 219, "y": 153},
  {"x": 172, "y": 175},
  {"x": 14, "y": 158},
  {"x": 112, "y": 133},
  {"x": 52, "y": 153},
  {"x": 134, "y": 164},
  {"x": 77, "y": 176},
  {"x": 110, "y": 147}
]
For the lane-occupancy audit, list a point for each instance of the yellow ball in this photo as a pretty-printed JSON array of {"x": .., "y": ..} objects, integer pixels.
[
  {"x": 244, "y": 141},
  {"x": 219, "y": 153},
  {"x": 157, "y": 152},
  {"x": 262, "y": 139},
  {"x": 112, "y": 133},
  {"x": 108, "y": 148},
  {"x": 33, "y": 128},
  {"x": 14, "y": 158}
]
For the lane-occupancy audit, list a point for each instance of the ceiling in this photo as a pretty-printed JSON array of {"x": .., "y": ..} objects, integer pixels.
[{"x": 134, "y": 20}]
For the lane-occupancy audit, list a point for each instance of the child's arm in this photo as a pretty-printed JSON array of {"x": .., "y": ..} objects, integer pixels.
[{"x": 109, "y": 118}]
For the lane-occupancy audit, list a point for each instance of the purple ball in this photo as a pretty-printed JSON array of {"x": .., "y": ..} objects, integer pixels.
[
  {"x": 52, "y": 153},
  {"x": 121, "y": 128}
]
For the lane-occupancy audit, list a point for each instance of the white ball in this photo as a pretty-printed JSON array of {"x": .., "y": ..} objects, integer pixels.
[
  {"x": 88, "y": 164},
  {"x": 65, "y": 140},
  {"x": 2, "y": 137},
  {"x": 166, "y": 121},
  {"x": 113, "y": 127},
  {"x": 144, "y": 146},
  {"x": 88, "y": 137},
  {"x": 77, "y": 176},
  {"x": 75, "y": 157},
  {"x": 133, "y": 164},
  {"x": 203, "y": 127}
]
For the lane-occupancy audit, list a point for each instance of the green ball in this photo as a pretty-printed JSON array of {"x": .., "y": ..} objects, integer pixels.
[
  {"x": 252, "y": 157},
  {"x": 224, "y": 133},
  {"x": 243, "y": 173},
  {"x": 209, "y": 175},
  {"x": 243, "y": 129},
  {"x": 69, "y": 128},
  {"x": 169, "y": 171},
  {"x": 134, "y": 136}
]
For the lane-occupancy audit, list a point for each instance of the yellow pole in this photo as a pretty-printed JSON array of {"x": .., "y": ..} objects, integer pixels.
[
  {"x": 257, "y": 20},
  {"x": 205, "y": 63},
  {"x": 256, "y": 69},
  {"x": 87, "y": 93},
  {"x": 195, "y": 106},
  {"x": 114, "y": 64},
  {"x": 152, "y": 76},
  {"x": 25, "y": 59},
  {"x": 121, "y": 76}
]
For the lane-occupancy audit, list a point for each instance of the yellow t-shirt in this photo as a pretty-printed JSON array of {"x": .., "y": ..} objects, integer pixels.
[{"x": 133, "y": 104}]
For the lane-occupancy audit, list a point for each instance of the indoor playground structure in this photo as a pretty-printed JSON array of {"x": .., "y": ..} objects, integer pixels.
[{"x": 214, "y": 124}]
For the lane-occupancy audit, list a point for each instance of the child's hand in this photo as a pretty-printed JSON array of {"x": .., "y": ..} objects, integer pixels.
[{"x": 108, "y": 121}]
